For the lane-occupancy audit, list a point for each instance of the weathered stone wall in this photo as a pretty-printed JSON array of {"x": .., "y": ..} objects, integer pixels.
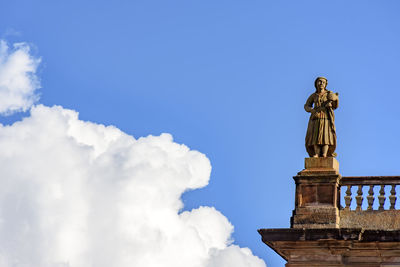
[{"x": 374, "y": 219}]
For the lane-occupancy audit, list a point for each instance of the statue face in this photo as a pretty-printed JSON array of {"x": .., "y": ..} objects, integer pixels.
[{"x": 321, "y": 85}]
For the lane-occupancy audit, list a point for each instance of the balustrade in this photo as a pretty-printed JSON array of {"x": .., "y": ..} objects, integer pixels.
[{"x": 370, "y": 182}]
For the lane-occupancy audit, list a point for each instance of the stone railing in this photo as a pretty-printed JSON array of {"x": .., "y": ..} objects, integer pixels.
[
  {"x": 371, "y": 183},
  {"x": 375, "y": 202}
]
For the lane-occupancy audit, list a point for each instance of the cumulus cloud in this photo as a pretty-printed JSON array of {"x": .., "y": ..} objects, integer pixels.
[
  {"x": 80, "y": 194},
  {"x": 18, "y": 80}
]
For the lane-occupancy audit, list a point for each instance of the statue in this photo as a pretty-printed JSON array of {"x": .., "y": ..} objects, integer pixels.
[{"x": 321, "y": 132}]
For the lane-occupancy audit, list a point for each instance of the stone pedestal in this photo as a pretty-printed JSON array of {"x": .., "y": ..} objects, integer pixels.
[{"x": 317, "y": 194}]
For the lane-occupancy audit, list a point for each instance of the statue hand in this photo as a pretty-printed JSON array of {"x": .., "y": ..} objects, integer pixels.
[
  {"x": 316, "y": 110},
  {"x": 314, "y": 113}
]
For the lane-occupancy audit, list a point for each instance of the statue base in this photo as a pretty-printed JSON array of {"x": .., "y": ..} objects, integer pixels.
[
  {"x": 317, "y": 194},
  {"x": 315, "y": 166}
]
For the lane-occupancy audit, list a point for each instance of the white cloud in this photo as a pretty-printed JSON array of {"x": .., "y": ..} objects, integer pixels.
[
  {"x": 79, "y": 194},
  {"x": 18, "y": 81}
]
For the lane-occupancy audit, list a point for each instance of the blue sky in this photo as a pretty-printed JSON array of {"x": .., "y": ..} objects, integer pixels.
[{"x": 229, "y": 79}]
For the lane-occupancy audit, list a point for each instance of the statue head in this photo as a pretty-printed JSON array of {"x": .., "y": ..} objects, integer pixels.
[{"x": 320, "y": 83}]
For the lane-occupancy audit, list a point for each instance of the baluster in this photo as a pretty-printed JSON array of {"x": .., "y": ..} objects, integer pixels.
[
  {"x": 347, "y": 198},
  {"x": 393, "y": 197},
  {"x": 359, "y": 198},
  {"x": 382, "y": 197},
  {"x": 370, "y": 197}
]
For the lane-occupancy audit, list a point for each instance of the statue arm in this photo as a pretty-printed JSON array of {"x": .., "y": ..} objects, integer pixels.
[
  {"x": 309, "y": 105},
  {"x": 333, "y": 101}
]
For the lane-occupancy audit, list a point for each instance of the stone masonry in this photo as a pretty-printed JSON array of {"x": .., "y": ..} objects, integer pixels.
[{"x": 323, "y": 233}]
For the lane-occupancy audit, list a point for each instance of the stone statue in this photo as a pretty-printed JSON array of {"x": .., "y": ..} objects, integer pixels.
[{"x": 321, "y": 132}]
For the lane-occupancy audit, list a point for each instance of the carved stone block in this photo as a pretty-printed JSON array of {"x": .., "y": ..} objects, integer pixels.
[
  {"x": 317, "y": 194},
  {"x": 315, "y": 166}
]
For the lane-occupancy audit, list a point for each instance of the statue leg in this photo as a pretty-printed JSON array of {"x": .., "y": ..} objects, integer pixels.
[
  {"x": 317, "y": 150},
  {"x": 325, "y": 150}
]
